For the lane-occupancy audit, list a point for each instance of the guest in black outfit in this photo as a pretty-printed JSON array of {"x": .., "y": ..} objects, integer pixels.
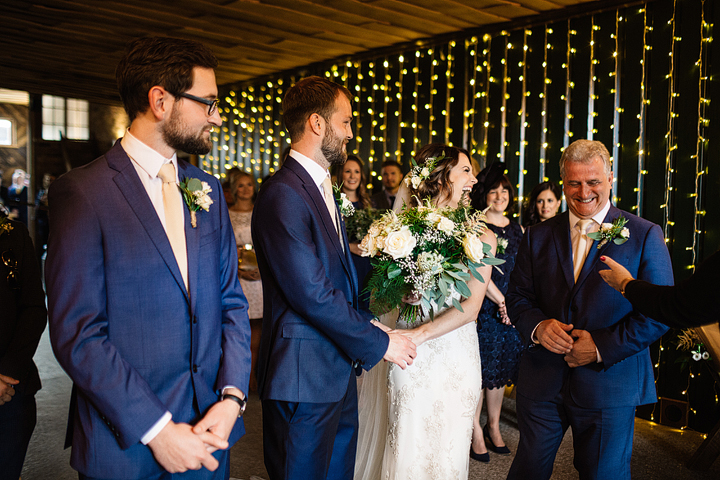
[
  {"x": 691, "y": 303},
  {"x": 22, "y": 321},
  {"x": 391, "y": 174},
  {"x": 544, "y": 203}
]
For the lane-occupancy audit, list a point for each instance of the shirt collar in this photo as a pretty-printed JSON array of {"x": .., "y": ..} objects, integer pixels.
[
  {"x": 598, "y": 217},
  {"x": 316, "y": 172},
  {"x": 145, "y": 157}
]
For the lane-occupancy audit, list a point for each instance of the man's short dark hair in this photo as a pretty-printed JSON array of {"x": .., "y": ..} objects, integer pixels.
[
  {"x": 310, "y": 95},
  {"x": 158, "y": 61},
  {"x": 390, "y": 163}
]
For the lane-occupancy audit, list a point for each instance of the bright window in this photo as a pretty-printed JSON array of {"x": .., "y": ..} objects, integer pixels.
[
  {"x": 64, "y": 117},
  {"x": 6, "y": 132}
]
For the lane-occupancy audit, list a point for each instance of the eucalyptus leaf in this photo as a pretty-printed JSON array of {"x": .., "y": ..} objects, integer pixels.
[
  {"x": 457, "y": 305},
  {"x": 194, "y": 184},
  {"x": 394, "y": 271},
  {"x": 463, "y": 289}
]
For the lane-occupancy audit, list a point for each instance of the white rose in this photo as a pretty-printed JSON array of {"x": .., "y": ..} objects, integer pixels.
[
  {"x": 425, "y": 172},
  {"x": 375, "y": 229},
  {"x": 368, "y": 247},
  {"x": 446, "y": 225},
  {"x": 625, "y": 233},
  {"x": 606, "y": 226},
  {"x": 204, "y": 202},
  {"x": 400, "y": 243},
  {"x": 415, "y": 182},
  {"x": 206, "y": 188},
  {"x": 433, "y": 218},
  {"x": 473, "y": 247}
]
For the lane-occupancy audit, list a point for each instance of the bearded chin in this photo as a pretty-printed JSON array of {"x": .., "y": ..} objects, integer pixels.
[
  {"x": 334, "y": 157},
  {"x": 192, "y": 145}
]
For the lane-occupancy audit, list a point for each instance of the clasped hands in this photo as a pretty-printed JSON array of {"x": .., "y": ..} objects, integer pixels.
[
  {"x": 180, "y": 447},
  {"x": 577, "y": 345}
]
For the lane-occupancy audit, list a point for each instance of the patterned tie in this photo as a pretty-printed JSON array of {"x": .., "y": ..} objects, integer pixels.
[
  {"x": 332, "y": 208},
  {"x": 174, "y": 225},
  {"x": 580, "y": 245}
]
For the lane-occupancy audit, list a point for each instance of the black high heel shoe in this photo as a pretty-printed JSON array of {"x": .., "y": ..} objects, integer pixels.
[
  {"x": 480, "y": 457},
  {"x": 504, "y": 450}
]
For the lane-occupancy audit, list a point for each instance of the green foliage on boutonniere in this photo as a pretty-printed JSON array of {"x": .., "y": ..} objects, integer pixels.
[
  {"x": 196, "y": 195},
  {"x": 615, "y": 231},
  {"x": 346, "y": 206}
]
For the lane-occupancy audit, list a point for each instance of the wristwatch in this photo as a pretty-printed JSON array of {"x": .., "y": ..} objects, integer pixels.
[{"x": 240, "y": 401}]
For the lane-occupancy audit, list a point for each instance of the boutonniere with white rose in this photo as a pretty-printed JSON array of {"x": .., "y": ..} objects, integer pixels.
[
  {"x": 615, "y": 231},
  {"x": 346, "y": 207},
  {"x": 196, "y": 195},
  {"x": 502, "y": 244}
]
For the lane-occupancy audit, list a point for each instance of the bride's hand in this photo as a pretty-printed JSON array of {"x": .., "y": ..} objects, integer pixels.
[
  {"x": 417, "y": 334},
  {"x": 380, "y": 325},
  {"x": 411, "y": 299}
]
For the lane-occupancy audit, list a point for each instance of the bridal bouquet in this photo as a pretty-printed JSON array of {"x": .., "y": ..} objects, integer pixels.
[
  {"x": 357, "y": 226},
  {"x": 425, "y": 252}
]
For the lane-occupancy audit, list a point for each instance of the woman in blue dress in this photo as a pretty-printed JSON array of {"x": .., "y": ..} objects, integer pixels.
[{"x": 500, "y": 344}]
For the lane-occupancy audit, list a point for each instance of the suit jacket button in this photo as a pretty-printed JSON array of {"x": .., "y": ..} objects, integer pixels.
[
  {"x": 574, "y": 308},
  {"x": 194, "y": 368},
  {"x": 194, "y": 320}
]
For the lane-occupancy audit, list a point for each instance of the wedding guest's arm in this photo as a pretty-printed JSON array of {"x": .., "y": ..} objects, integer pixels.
[
  {"x": 692, "y": 302},
  {"x": 452, "y": 318},
  {"x": 497, "y": 297},
  {"x": 292, "y": 258},
  {"x": 635, "y": 331}
]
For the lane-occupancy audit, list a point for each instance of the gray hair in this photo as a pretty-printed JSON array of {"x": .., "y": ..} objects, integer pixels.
[{"x": 584, "y": 151}]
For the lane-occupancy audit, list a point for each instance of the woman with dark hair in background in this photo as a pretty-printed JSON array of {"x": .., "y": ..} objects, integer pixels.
[
  {"x": 351, "y": 179},
  {"x": 500, "y": 344},
  {"x": 543, "y": 203},
  {"x": 242, "y": 189}
]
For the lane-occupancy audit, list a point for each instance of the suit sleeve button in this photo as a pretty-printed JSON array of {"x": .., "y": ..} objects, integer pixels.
[{"x": 194, "y": 369}]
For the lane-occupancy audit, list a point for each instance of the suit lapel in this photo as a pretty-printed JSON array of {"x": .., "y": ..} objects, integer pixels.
[
  {"x": 321, "y": 209},
  {"x": 192, "y": 240},
  {"x": 132, "y": 189},
  {"x": 563, "y": 244}
]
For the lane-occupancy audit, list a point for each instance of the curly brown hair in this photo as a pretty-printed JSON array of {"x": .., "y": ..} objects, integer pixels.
[{"x": 437, "y": 185}]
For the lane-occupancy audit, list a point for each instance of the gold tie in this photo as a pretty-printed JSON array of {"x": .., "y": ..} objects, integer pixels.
[
  {"x": 332, "y": 208},
  {"x": 174, "y": 225},
  {"x": 580, "y": 245}
]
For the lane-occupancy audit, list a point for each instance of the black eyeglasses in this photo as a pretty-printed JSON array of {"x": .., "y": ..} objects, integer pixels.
[
  {"x": 212, "y": 104},
  {"x": 10, "y": 261}
]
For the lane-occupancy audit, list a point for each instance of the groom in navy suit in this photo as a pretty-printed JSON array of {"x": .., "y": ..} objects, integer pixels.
[
  {"x": 588, "y": 365},
  {"x": 313, "y": 337},
  {"x": 146, "y": 313}
]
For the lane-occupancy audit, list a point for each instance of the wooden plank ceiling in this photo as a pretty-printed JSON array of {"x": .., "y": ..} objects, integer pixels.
[{"x": 71, "y": 47}]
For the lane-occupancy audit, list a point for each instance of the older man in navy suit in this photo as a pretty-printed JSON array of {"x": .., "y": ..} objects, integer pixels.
[
  {"x": 588, "y": 364},
  {"x": 313, "y": 338},
  {"x": 146, "y": 312}
]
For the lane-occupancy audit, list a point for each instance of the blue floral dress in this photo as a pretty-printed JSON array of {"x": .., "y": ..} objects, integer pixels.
[{"x": 500, "y": 345}]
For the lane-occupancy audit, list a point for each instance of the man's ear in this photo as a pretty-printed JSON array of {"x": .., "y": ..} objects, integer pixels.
[
  {"x": 317, "y": 123},
  {"x": 159, "y": 101}
]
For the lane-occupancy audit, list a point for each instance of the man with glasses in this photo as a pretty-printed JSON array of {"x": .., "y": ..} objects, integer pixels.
[
  {"x": 146, "y": 312},
  {"x": 22, "y": 322}
]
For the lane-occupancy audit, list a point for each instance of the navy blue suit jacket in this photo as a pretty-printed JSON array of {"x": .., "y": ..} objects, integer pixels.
[
  {"x": 312, "y": 332},
  {"x": 542, "y": 286},
  {"x": 123, "y": 326}
]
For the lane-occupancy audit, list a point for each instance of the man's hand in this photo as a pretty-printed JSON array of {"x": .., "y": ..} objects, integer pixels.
[
  {"x": 6, "y": 388},
  {"x": 177, "y": 449},
  {"x": 220, "y": 419},
  {"x": 552, "y": 335},
  {"x": 355, "y": 248},
  {"x": 401, "y": 350},
  {"x": 583, "y": 350}
]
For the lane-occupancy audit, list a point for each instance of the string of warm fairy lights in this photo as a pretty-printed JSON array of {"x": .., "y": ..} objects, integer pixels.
[
  {"x": 544, "y": 95},
  {"x": 702, "y": 124},
  {"x": 505, "y": 97},
  {"x": 615, "y": 158},
  {"x": 416, "y": 104},
  {"x": 670, "y": 145},
  {"x": 471, "y": 46},
  {"x": 591, "y": 130},
  {"x": 523, "y": 127},
  {"x": 642, "y": 117},
  {"x": 486, "y": 97},
  {"x": 400, "y": 124},
  {"x": 431, "y": 95},
  {"x": 567, "y": 134},
  {"x": 449, "y": 91},
  {"x": 371, "y": 113}
]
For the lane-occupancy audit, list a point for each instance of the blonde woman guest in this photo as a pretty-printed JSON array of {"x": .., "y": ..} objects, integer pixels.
[{"x": 242, "y": 190}]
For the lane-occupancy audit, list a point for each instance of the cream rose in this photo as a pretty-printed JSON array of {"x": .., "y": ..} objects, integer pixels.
[
  {"x": 446, "y": 225},
  {"x": 368, "y": 247},
  {"x": 473, "y": 247},
  {"x": 400, "y": 243},
  {"x": 416, "y": 182}
]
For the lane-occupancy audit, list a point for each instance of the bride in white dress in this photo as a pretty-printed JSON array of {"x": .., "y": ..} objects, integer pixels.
[{"x": 417, "y": 423}]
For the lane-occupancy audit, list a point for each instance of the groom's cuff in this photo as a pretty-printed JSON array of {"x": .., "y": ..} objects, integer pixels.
[{"x": 159, "y": 425}]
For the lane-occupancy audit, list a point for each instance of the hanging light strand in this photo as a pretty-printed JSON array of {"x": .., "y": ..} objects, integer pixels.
[{"x": 670, "y": 137}]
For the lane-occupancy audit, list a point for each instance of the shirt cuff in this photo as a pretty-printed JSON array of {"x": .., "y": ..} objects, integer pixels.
[
  {"x": 597, "y": 355},
  {"x": 227, "y": 387},
  {"x": 159, "y": 425},
  {"x": 532, "y": 335}
]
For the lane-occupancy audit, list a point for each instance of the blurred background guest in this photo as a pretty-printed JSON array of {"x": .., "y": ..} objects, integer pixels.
[
  {"x": 22, "y": 321},
  {"x": 391, "y": 174},
  {"x": 691, "y": 303},
  {"x": 500, "y": 344},
  {"x": 352, "y": 181},
  {"x": 42, "y": 229},
  {"x": 15, "y": 196},
  {"x": 242, "y": 190},
  {"x": 543, "y": 203}
]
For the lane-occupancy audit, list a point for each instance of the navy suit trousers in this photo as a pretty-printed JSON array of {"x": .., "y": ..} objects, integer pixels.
[
  {"x": 311, "y": 441},
  {"x": 602, "y": 439},
  {"x": 17, "y": 422}
]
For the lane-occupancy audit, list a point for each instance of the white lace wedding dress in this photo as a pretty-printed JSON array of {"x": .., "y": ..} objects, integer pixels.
[{"x": 417, "y": 423}]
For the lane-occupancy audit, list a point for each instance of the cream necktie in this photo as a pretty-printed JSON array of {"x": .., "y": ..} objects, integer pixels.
[
  {"x": 580, "y": 245},
  {"x": 332, "y": 208},
  {"x": 174, "y": 225}
]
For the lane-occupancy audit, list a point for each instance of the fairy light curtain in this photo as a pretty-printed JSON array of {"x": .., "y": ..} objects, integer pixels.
[{"x": 637, "y": 79}]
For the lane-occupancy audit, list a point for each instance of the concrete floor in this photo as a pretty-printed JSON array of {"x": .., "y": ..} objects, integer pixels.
[{"x": 659, "y": 452}]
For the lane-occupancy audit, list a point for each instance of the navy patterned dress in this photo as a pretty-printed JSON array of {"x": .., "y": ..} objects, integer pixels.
[{"x": 500, "y": 345}]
